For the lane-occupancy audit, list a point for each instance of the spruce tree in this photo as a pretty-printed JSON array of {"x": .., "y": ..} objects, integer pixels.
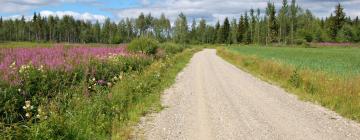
[
  {"x": 252, "y": 25},
  {"x": 225, "y": 31},
  {"x": 193, "y": 32},
  {"x": 337, "y": 21},
  {"x": 272, "y": 23},
  {"x": 293, "y": 19},
  {"x": 216, "y": 32},
  {"x": 247, "y": 33},
  {"x": 241, "y": 29},
  {"x": 202, "y": 31}
]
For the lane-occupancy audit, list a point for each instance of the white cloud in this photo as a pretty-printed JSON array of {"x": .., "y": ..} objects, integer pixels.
[
  {"x": 214, "y": 10},
  {"x": 211, "y": 10},
  {"x": 20, "y": 6},
  {"x": 81, "y": 16},
  {"x": 194, "y": 9},
  {"x": 23, "y": 6}
]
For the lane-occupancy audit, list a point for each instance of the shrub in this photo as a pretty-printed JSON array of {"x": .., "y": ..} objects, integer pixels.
[
  {"x": 171, "y": 48},
  {"x": 295, "y": 79},
  {"x": 144, "y": 45},
  {"x": 308, "y": 38},
  {"x": 299, "y": 41}
]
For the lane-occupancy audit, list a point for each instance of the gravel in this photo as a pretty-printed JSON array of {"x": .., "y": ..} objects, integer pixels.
[{"x": 213, "y": 99}]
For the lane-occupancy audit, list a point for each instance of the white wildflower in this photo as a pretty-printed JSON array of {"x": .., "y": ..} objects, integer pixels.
[{"x": 27, "y": 115}]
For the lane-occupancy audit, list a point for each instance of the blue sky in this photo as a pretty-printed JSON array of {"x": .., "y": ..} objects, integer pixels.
[{"x": 117, "y": 9}]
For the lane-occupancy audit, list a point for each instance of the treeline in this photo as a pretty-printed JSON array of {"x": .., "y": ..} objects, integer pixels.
[
  {"x": 288, "y": 25},
  {"x": 68, "y": 29}
]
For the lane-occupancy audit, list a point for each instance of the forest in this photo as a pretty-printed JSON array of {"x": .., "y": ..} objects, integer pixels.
[{"x": 288, "y": 24}]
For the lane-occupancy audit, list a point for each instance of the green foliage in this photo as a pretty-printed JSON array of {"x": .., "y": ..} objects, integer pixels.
[
  {"x": 181, "y": 30},
  {"x": 285, "y": 25},
  {"x": 171, "y": 48},
  {"x": 143, "y": 45},
  {"x": 336, "y": 23},
  {"x": 201, "y": 31},
  {"x": 225, "y": 32},
  {"x": 308, "y": 38},
  {"x": 63, "y": 98},
  {"x": 241, "y": 29},
  {"x": 272, "y": 31},
  {"x": 346, "y": 34},
  {"x": 295, "y": 79}
]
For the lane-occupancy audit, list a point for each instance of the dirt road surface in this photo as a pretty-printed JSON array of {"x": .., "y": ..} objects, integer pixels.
[{"x": 214, "y": 100}]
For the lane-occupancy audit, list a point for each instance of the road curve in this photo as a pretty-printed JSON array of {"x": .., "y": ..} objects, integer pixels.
[{"x": 214, "y": 100}]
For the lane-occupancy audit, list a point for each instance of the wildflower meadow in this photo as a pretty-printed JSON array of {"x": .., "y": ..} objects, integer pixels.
[{"x": 40, "y": 86}]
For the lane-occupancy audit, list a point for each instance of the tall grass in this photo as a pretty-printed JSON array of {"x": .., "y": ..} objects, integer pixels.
[{"x": 329, "y": 90}]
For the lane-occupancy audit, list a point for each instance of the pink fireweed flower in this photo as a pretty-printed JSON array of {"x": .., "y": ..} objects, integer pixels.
[{"x": 52, "y": 58}]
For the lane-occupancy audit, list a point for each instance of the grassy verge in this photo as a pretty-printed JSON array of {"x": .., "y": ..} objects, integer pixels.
[
  {"x": 141, "y": 91},
  {"x": 334, "y": 92},
  {"x": 97, "y": 99}
]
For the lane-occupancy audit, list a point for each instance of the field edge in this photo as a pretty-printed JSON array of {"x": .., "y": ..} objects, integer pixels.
[{"x": 334, "y": 93}]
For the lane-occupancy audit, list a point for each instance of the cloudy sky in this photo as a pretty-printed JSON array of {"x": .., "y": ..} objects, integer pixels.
[{"x": 211, "y": 10}]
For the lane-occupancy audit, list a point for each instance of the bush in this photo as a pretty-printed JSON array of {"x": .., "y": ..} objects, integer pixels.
[
  {"x": 144, "y": 45},
  {"x": 299, "y": 41},
  {"x": 295, "y": 79},
  {"x": 171, "y": 48},
  {"x": 346, "y": 34},
  {"x": 308, "y": 38}
]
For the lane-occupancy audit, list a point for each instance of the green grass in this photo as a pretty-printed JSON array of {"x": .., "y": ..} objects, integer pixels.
[{"x": 332, "y": 60}]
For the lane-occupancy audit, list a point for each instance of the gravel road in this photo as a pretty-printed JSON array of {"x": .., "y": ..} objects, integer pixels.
[{"x": 214, "y": 100}]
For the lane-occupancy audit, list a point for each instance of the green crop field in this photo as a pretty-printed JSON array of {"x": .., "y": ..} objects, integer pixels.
[
  {"x": 332, "y": 60},
  {"x": 328, "y": 76}
]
